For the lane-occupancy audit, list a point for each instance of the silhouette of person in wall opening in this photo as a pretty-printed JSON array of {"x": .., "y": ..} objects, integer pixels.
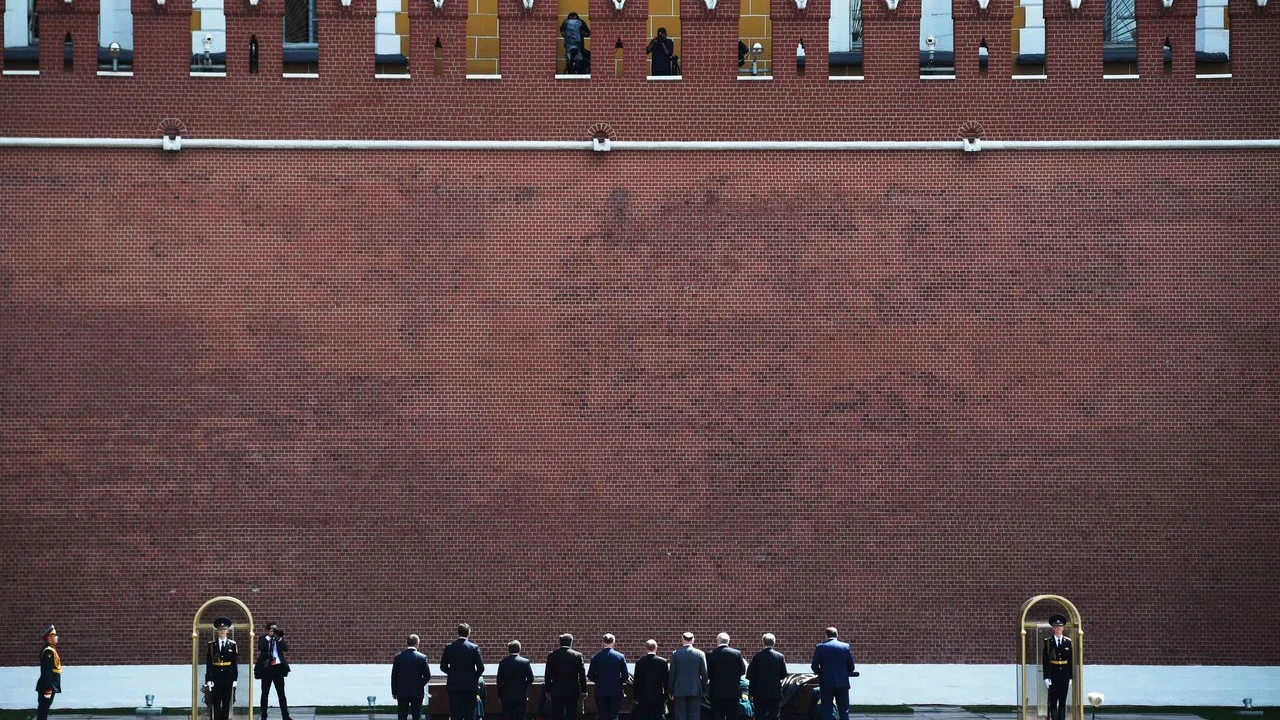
[
  {"x": 664, "y": 54},
  {"x": 577, "y": 59}
]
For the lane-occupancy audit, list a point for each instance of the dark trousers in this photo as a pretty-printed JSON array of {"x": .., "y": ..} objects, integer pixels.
[
  {"x": 687, "y": 707},
  {"x": 462, "y": 704},
  {"x": 766, "y": 708},
  {"x": 42, "y": 706},
  {"x": 649, "y": 710},
  {"x": 221, "y": 697},
  {"x": 1058, "y": 698},
  {"x": 607, "y": 707},
  {"x": 841, "y": 698},
  {"x": 408, "y": 706},
  {"x": 515, "y": 709},
  {"x": 564, "y": 708},
  {"x": 271, "y": 675},
  {"x": 725, "y": 708}
]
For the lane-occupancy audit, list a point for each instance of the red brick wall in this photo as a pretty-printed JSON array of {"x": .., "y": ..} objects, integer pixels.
[{"x": 373, "y": 393}]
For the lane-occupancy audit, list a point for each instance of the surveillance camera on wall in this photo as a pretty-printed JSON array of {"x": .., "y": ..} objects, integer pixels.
[
  {"x": 757, "y": 48},
  {"x": 930, "y": 41}
]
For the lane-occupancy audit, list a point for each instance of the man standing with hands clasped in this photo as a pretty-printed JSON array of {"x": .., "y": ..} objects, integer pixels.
[
  {"x": 833, "y": 663},
  {"x": 410, "y": 673},
  {"x": 687, "y": 678},
  {"x": 221, "y": 670},
  {"x": 765, "y": 675},
  {"x": 1057, "y": 667},
  {"x": 609, "y": 672},
  {"x": 461, "y": 663}
]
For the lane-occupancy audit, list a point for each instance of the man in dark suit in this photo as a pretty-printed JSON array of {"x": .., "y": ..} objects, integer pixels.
[
  {"x": 221, "y": 669},
  {"x": 608, "y": 671},
  {"x": 687, "y": 678},
  {"x": 515, "y": 675},
  {"x": 271, "y": 667},
  {"x": 460, "y": 661},
  {"x": 765, "y": 675},
  {"x": 651, "y": 686},
  {"x": 1058, "y": 669},
  {"x": 833, "y": 663},
  {"x": 725, "y": 669},
  {"x": 565, "y": 680},
  {"x": 410, "y": 673}
]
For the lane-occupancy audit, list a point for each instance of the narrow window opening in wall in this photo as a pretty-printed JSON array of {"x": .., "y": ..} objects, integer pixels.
[
  {"x": 1213, "y": 39},
  {"x": 1166, "y": 53},
  {"x": 253, "y": 54},
  {"x": 755, "y": 33},
  {"x": 1120, "y": 38},
  {"x": 617, "y": 58},
  {"x": 21, "y": 37},
  {"x": 573, "y": 55},
  {"x": 663, "y": 49},
  {"x": 844, "y": 38},
  {"x": 68, "y": 54},
  {"x": 1028, "y": 40},
  {"x": 300, "y": 46},
  {"x": 208, "y": 38},
  {"x": 115, "y": 37},
  {"x": 937, "y": 40},
  {"x": 437, "y": 59},
  {"x": 483, "y": 45},
  {"x": 983, "y": 56},
  {"x": 391, "y": 38}
]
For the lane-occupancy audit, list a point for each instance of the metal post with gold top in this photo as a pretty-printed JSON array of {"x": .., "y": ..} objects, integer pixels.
[
  {"x": 1027, "y": 710},
  {"x": 195, "y": 651}
]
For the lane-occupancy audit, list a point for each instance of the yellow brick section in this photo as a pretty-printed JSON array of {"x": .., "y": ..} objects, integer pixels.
[
  {"x": 665, "y": 13},
  {"x": 195, "y": 21},
  {"x": 482, "y": 37},
  {"x": 1019, "y": 22},
  {"x": 755, "y": 26}
]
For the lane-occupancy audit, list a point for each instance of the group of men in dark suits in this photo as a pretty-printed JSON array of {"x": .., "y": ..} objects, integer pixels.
[{"x": 683, "y": 680}]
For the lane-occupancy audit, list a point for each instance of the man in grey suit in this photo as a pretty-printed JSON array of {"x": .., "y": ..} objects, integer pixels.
[{"x": 687, "y": 677}]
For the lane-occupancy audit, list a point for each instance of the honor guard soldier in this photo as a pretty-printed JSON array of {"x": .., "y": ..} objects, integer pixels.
[
  {"x": 1057, "y": 667},
  {"x": 221, "y": 670},
  {"x": 50, "y": 681}
]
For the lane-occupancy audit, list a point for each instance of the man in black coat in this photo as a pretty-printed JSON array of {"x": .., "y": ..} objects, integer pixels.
[
  {"x": 565, "y": 680},
  {"x": 1058, "y": 669},
  {"x": 272, "y": 667},
  {"x": 651, "y": 687},
  {"x": 725, "y": 669},
  {"x": 410, "y": 673},
  {"x": 515, "y": 675},
  {"x": 461, "y": 662},
  {"x": 221, "y": 669},
  {"x": 765, "y": 674},
  {"x": 50, "y": 681}
]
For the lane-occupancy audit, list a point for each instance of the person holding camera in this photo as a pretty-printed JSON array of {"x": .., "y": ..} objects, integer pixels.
[
  {"x": 271, "y": 667},
  {"x": 575, "y": 32},
  {"x": 663, "y": 52}
]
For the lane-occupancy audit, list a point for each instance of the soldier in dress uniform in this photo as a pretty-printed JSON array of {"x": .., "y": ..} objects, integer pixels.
[
  {"x": 1057, "y": 667},
  {"x": 50, "y": 681},
  {"x": 221, "y": 670}
]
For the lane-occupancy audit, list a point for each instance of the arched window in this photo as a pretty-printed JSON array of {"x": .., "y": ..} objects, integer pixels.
[
  {"x": 115, "y": 37},
  {"x": 208, "y": 38},
  {"x": 21, "y": 38}
]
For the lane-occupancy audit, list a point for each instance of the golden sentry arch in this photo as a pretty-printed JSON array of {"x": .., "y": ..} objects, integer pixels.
[
  {"x": 195, "y": 651},
  {"x": 1077, "y": 656}
]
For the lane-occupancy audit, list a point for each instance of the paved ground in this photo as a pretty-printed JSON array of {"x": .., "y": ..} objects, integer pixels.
[{"x": 922, "y": 712}]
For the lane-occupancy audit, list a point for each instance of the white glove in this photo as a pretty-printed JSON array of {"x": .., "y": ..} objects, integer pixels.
[
  {"x": 1047, "y": 682},
  {"x": 234, "y": 684},
  {"x": 209, "y": 684}
]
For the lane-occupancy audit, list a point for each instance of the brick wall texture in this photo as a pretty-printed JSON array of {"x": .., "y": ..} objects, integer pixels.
[{"x": 377, "y": 392}]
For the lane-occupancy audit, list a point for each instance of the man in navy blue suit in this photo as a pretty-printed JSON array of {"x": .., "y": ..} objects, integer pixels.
[
  {"x": 833, "y": 663},
  {"x": 410, "y": 673},
  {"x": 460, "y": 661},
  {"x": 515, "y": 675},
  {"x": 725, "y": 669},
  {"x": 608, "y": 671}
]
